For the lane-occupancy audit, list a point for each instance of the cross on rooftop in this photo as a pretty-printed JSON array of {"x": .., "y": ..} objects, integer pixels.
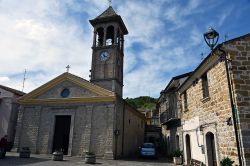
[{"x": 68, "y": 67}]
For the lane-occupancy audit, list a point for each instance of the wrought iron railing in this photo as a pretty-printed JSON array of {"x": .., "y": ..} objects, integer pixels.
[{"x": 168, "y": 115}]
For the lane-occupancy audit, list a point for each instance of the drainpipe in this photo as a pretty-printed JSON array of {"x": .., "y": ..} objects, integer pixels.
[
  {"x": 123, "y": 122},
  {"x": 224, "y": 57}
]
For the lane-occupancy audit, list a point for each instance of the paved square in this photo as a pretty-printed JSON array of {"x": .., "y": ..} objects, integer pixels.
[{"x": 12, "y": 159}]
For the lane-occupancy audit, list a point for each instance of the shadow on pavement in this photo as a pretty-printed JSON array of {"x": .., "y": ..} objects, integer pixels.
[
  {"x": 15, "y": 160},
  {"x": 147, "y": 160}
]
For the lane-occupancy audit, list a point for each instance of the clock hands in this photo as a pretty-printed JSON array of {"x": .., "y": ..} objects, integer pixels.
[{"x": 104, "y": 56}]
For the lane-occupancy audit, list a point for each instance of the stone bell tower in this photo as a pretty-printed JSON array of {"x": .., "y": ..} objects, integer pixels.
[{"x": 108, "y": 51}]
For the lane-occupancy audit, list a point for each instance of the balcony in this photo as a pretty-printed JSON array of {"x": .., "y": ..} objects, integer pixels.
[{"x": 168, "y": 117}]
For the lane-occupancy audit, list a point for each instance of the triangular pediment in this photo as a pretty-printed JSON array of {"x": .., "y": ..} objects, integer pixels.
[{"x": 78, "y": 89}]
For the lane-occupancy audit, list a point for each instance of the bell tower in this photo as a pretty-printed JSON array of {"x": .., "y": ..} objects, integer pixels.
[{"x": 108, "y": 51}]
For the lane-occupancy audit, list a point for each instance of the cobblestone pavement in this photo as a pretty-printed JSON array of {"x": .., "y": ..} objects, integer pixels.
[{"x": 12, "y": 159}]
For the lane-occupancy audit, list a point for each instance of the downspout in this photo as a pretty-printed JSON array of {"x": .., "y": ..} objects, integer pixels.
[
  {"x": 224, "y": 57},
  {"x": 114, "y": 129},
  {"x": 123, "y": 121}
]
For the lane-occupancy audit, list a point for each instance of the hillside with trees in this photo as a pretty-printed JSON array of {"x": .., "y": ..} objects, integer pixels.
[{"x": 142, "y": 102}]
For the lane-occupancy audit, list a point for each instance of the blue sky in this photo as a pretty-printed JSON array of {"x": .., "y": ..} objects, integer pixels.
[{"x": 165, "y": 38}]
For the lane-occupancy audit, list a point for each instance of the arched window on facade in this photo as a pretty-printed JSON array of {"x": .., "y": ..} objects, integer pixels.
[
  {"x": 100, "y": 36},
  {"x": 110, "y": 36}
]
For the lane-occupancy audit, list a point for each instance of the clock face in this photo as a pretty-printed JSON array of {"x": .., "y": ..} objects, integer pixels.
[{"x": 104, "y": 56}]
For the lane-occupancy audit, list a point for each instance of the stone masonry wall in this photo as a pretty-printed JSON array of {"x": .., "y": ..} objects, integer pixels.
[
  {"x": 239, "y": 52},
  {"x": 212, "y": 112},
  {"x": 171, "y": 142},
  {"x": 133, "y": 132},
  {"x": 92, "y": 127}
]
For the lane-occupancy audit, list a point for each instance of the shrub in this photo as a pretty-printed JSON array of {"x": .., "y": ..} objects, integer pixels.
[
  {"x": 90, "y": 153},
  {"x": 177, "y": 153},
  {"x": 226, "y": 162}
]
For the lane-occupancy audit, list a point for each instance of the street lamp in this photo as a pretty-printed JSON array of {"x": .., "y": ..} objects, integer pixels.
[{"x": 211, "y": 37}]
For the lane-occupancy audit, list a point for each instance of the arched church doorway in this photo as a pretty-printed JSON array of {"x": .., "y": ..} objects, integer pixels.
[
  {"x": 211, "y": 152},
  {"x": 188, "y": 148}
]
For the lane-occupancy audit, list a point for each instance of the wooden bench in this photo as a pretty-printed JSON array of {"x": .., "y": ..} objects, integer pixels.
[{"x": 194, "y": 162}]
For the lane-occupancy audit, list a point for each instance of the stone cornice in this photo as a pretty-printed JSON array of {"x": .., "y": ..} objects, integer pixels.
[{"x": 67, "y": 100}]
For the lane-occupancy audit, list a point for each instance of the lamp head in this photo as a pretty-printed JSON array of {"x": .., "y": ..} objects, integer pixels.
[{"x": 211, "y": 37}]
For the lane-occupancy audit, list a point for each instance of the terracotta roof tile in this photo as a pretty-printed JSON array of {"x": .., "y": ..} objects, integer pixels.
[{"x": 17, "y": 92}]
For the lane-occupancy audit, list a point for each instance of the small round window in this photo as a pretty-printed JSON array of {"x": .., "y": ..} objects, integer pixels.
[{"x": 65, "y": 92}]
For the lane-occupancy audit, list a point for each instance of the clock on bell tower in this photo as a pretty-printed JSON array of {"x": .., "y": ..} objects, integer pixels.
[{"x": 108, "y": 51}]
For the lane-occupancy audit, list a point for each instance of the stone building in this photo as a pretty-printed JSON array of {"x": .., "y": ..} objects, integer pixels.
[
  {"x": 8, "y": 111},
  {"x": 170, "y": 117},
  {"x": 152, "y": 126},
  {"x": 78, "y": 116},
  {"x": 151, "y": 115},
  {"x": 207, "y": 113}
]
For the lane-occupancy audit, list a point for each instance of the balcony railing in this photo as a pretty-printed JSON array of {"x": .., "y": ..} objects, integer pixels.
[{"x": 168, "y": 116}]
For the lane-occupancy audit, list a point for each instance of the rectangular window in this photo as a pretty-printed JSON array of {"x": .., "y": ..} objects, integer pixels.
[
  {"x": 205, "y": 90},
  {"x": 185, "y": 101}
]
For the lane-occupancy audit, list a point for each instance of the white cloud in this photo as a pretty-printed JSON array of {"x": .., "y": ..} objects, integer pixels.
[
  {"x": 41, "y": 37},
  {"x": 4, "y": 79},
  {"x": 225, "y": 14},
  {"x": 142, "y": 20},
  {"x": 44, "y": 36}
]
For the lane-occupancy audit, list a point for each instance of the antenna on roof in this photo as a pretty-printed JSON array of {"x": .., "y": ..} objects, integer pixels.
[
  {"x": 24, "y": 78},
  {"x": 110, "y": 2},
  {"x": 202, "y": 56},
  {"x": 225, "y": 37}
]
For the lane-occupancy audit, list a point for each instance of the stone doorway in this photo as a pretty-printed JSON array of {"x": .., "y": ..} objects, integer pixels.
[
  {"x": 211, "y": 152},
  {"x": 188, "y": 149},
  {"x": 61, "y": 133}
]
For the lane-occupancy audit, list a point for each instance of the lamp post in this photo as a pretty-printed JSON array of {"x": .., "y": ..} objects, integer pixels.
[{"x": 211, "y": 38}]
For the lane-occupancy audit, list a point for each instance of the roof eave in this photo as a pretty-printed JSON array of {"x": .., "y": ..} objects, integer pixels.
[{"x": 115, "y": 18}]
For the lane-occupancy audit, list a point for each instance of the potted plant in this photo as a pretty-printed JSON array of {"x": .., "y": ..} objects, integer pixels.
[
  {"x": 177, "y": 156},
  {"x": 25, "y": 152},
  {"x": 90, "y": 158},
  {"x": 226, "y": 161},
  {"x": 57, "y": 155}
]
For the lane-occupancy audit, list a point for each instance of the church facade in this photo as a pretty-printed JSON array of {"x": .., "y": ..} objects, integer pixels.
[{"x": 77, "y": 116}]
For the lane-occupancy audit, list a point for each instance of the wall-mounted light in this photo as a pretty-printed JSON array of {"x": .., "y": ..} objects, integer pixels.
[
  {"x": 229, "y": 121},
  {"x": 117, "y": 132}
]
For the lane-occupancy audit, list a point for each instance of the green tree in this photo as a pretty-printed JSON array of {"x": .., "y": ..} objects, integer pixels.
[{"x": 143, "y": 102}]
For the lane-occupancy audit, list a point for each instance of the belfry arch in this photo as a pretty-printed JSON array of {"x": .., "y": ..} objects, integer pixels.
[
  {"x": 99, "y": 36},
  {"x": 110, "y": 35}
]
